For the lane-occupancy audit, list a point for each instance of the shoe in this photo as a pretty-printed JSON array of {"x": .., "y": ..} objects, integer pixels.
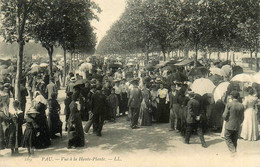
[
  {"x": 186, "y": 142},
  {"x": 204, "y": 145},
  {"x": 136, "y": 127}
]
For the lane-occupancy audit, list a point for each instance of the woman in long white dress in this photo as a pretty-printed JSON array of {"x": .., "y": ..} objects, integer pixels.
[{"x": 250, "y": 124}]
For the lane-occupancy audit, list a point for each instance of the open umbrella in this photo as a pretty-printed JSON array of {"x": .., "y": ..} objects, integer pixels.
[
  {"x": 4, "y": 72},
  {"x": 35, "y": 69},
  {"x": 256, "y": 77},
  {"x": 3, "y": 67},
  {"x": 150, "y": 67},
  {"x": 202, "y": 86},
  {"x": 168, "y": 68},
  {"x": 34, "y": 65},
  {"x": 115, "y": 66},
  {"x": 199, "y": 71},
  {"x": 217, "y": 71},
  {"x": 79, "y": 82},
  {"x": 85, "y": 67},
  {"x": 237, "y": 70},
  {"x": 226, "y": 68},
  {"x": 220, "y": 90},
  {"x": 44, "y": 65},
  {"x": 243, "y": 78},
  {"x": 216, "y": 79},
  {"x": 179, "y": 77}
]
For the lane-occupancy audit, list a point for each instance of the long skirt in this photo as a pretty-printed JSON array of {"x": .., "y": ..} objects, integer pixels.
[
  {"x": 43, "y": 140},
  {"x": 55, "y": 124},
  {"x": 145, "y": 117},
  {"x": 250, "y": 125},
  {"x": 76, "y": 136},
  {"x": 163, "y": 111},
  {"x": 2, "y": 137},
  {"x": 29, "y": 138}
]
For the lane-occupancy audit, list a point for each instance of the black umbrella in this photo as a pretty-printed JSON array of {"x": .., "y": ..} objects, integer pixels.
[
  {"x": 237, "y": 70},
  {"x": 179, "y": 77},
  {"x": 79, "y": 83},
  {"x": 199, "y": 71},
  {"x": 115, "y": 66}
]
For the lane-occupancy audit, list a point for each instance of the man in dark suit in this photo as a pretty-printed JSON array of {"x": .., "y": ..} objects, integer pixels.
[
  {"x": 98, "y": 106},
  {"x": 193, "y": 119},
  {"x": 134, "y": 103},
  {"x": 234, "y": 116}
]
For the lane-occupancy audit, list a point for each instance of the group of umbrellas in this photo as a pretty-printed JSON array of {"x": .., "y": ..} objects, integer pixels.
[
  {"x": 203, "y": 86},
  {"x": 35, "y": 68},
  {"x": 223, "y": 72}
]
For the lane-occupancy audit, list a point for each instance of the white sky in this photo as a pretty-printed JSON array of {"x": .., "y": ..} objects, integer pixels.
[{"x": 111, "y": 11}]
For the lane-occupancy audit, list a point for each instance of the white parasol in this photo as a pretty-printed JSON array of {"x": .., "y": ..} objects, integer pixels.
[
  {"x": 217, "y": 71},
  {"x": 256, "y": 78},
  {"x": 44, "y": 65},
  {"x": 220, "y": 90},
  {"x": 243, "y": 78},
  {"x": 202, "y": 86}
]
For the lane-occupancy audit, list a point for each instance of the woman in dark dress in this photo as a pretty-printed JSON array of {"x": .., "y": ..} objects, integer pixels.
[
  {"x": 43, "y": 140},
  {"x": 163, "y": 105},
  {"x": 75, "y": 129},
  {"x": 54, "y": 121}
]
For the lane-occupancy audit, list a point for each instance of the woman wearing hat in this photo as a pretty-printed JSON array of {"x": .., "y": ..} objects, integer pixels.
[
  {"x": 145, "y": 117},
  {"x": 54, "y": 122},
  {"x": 250, "y": 124},
  {"x": 75, "y": 130},
  {"x": 3, "y": 118},
  {"x": 43, "y": 140}
]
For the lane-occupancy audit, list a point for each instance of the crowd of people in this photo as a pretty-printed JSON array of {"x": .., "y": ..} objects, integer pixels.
[{"x": 143, "y": 97}]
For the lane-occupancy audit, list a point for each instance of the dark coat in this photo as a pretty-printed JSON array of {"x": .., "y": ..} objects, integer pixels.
[
  {"x": 193, "y": 110},
  {"x": 98, "y": 103},
  {"x": 135, "y": 98},
  {"x": 233, "y": 115}
]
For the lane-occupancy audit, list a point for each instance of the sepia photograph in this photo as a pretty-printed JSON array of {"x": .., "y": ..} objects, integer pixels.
[{"x": 129, "y": 83}]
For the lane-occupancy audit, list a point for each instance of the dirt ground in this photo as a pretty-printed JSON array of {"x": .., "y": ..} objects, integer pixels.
[{"x": 148, "y": 146}]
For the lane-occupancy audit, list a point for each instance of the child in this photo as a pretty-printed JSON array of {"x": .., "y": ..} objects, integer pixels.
[
  {"x": 113, "y": 104},
  {"x": 30, "y": 132},
  {"x": 15, "y": 128}
]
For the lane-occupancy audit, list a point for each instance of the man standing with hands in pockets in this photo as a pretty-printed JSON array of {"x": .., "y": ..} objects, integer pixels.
[{"x": 234, "y": 116}]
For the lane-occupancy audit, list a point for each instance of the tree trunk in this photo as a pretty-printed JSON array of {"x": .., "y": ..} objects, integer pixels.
[
  {"x": 19, "y": 71},
  {"x": 164, "y": 56},
  {"x": 50, "y": 51},
  {"x": 209, "y": 55},
  {"x": 227, "y": 55},
  {"x": 256, "y": 62},
  {"x": 186, "y": 53},
  {"x": 146, "y": 57},
  {"x": 196, "y": 55},
  {"x": 251, "y": 60},
  {"x": 218, "y": 55},
  {"x": 65, "y": 68},
  {"x": 233, "y": 58}
]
